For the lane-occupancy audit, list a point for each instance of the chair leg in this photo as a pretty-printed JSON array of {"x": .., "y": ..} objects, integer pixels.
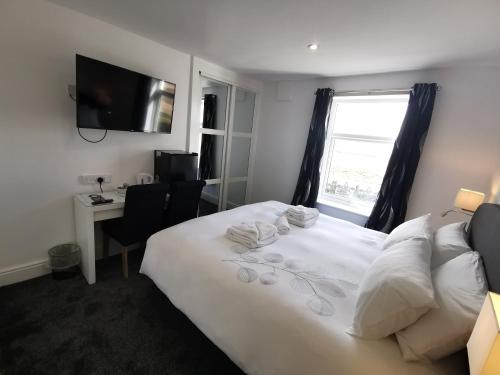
[
  {"x": 125, "y": 262},
  {"x": 105, "y": 245}
]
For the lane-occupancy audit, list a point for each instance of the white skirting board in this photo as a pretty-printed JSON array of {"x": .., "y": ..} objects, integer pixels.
[
  {"x": 39, "y": 268},
  {"x": 24, "y": 272}
]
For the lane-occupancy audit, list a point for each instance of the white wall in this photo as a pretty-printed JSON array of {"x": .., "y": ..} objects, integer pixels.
[
  {"x": 41, "y": 154},
  {"x": 462, "y": 147},
  {"x": 283, "y": 129}
]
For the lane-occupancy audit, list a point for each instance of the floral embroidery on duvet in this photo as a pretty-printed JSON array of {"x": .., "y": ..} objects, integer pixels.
[{"x": 318, "y": 287}]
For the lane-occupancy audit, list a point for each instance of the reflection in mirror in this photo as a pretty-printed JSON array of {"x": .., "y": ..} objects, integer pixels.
[
  {"x": 213, "y": 104},
  {"x": 160, "y": 107},
  {"x": 209, "y": 202},
  {"x": 209, "y": 111},
  {"x": 240, "y": 154},
  {"x": 243, "y": 111},
  {"x": 211, "y": 148},
  {"x": 236, "y": 194}
]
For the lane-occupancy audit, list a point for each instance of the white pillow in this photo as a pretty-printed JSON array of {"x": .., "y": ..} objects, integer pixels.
[
  {"x": 416, "y": 228},
  {"x": 460, "y": 287},
  {"x": 396, "y": 290},
  {"x": 449, "y": 242}
]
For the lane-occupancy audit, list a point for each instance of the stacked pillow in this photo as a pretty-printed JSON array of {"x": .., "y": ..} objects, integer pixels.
[
  {"x": 460, "y": 289},
  {"x": 449, "y": 242},
  {"x": 433, "y": 312},
  {"x": 416, "y": 228},
  {"x": 397, "y": 288}
]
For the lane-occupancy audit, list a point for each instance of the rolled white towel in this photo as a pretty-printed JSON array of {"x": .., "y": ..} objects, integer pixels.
[
  {"x": 282, "y": 225},
  {"x": 303, "y": 223},
  {"x": 266, "y": 230},
  {"x": 302, "y": 213},
  {"x": 268, "y": 240}
]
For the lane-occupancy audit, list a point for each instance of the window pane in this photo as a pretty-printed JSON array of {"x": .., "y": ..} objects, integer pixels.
[
  {"x": 354, "y": 172},
  {"x": 375, "y": 117}
]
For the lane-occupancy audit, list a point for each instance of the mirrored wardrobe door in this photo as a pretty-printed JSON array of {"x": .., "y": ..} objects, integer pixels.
[
  {"x": 214, "y": 104},
  {"x": 239, "y": 147},
  {"x": 212, "y": 143},
  {"x": 244, "y": 107}
]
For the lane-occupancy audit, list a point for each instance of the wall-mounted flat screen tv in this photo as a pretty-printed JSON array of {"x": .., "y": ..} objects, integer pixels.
[{"x": 113, "y": 98}]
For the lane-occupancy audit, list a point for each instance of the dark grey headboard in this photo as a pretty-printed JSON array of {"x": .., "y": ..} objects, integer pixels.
[{"x": 484, "y": 237}]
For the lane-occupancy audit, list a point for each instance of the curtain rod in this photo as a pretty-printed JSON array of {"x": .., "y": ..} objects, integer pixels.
[{"x": 375, "y": 92}]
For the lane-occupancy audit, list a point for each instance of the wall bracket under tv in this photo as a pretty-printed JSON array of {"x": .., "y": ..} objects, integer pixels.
[{"x": 114, "y": 98}]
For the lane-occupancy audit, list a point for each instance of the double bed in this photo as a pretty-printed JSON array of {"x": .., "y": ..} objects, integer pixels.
[{"x": 285, "y": 308}]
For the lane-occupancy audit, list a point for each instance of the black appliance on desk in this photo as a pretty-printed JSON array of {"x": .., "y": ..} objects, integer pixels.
[
  {"x": 179, "y": 171},
  {"x": 175, "y": 165}
]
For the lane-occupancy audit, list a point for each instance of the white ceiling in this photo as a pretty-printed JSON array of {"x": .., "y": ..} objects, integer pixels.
[{"x": 268, "y": 38}]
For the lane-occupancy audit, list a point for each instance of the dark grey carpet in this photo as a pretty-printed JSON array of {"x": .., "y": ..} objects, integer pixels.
[{"x": 116, "y": 326}]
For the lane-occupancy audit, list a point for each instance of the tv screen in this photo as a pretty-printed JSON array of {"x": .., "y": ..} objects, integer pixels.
[{"x": 114, "y": 98}]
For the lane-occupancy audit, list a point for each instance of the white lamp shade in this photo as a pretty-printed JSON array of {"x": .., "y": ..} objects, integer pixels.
[
  {"x": 469, "y": 200},
  {"x": 483, "y": 347}
]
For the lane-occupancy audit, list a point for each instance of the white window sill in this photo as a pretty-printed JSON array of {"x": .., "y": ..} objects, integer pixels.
[{"x": 344, "y": 207}]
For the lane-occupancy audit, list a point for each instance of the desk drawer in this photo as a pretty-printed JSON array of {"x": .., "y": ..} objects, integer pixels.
[{"x": 108, "y": 214}]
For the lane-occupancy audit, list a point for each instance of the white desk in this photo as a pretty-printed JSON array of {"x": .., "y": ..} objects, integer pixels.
[{"x": 85, "y": 216}]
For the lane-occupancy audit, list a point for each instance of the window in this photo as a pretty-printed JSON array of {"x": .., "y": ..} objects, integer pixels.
[{"x": 359, "y": 144}]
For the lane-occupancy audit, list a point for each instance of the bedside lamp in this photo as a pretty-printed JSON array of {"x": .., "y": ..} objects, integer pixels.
[
  {"x": 467, "y": 201},
  {"x": 483, "y": 347}
]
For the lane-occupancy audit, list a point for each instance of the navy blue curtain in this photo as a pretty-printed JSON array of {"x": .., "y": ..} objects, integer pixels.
[
  {"x": 306, "y": 191},
  {"x": 207, "y": 150},
  {"x": 390, "y": 209}
]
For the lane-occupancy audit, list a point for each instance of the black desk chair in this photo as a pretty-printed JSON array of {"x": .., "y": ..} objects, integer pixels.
[
  {"x": 142, "y": 217},
  {"x": 183, "y": 202}
]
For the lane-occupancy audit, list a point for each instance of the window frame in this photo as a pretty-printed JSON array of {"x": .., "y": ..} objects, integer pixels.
[{"x": 327, "y": 160}]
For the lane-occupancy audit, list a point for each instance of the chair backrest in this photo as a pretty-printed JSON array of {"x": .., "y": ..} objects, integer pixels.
[
  {"x": 183, "y": 202},
  {"x": 143, "y": 211}
]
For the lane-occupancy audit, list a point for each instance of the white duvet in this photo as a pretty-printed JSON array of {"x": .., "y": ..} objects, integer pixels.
[{"x": 285, "y": 308}]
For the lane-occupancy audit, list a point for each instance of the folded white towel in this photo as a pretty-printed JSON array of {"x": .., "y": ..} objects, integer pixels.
[
  {"x": 302, "y": 216},
  {"x": 247, "y": 230},
  {"x": 303, "y": 223},
  {"x": 302, "y": 213},
  {"x": 282, "y": 225},
  {"x": 253, "y": 235},
  {"x": 250, "y": 243},
  {"x": 266, "y": 230}
]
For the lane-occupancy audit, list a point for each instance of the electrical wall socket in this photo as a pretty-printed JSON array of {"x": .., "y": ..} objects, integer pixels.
[{"x": 91, "y": 179}]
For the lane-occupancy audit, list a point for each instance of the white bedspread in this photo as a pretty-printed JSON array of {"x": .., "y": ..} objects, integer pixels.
[{"x": 285, "y": 308}]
